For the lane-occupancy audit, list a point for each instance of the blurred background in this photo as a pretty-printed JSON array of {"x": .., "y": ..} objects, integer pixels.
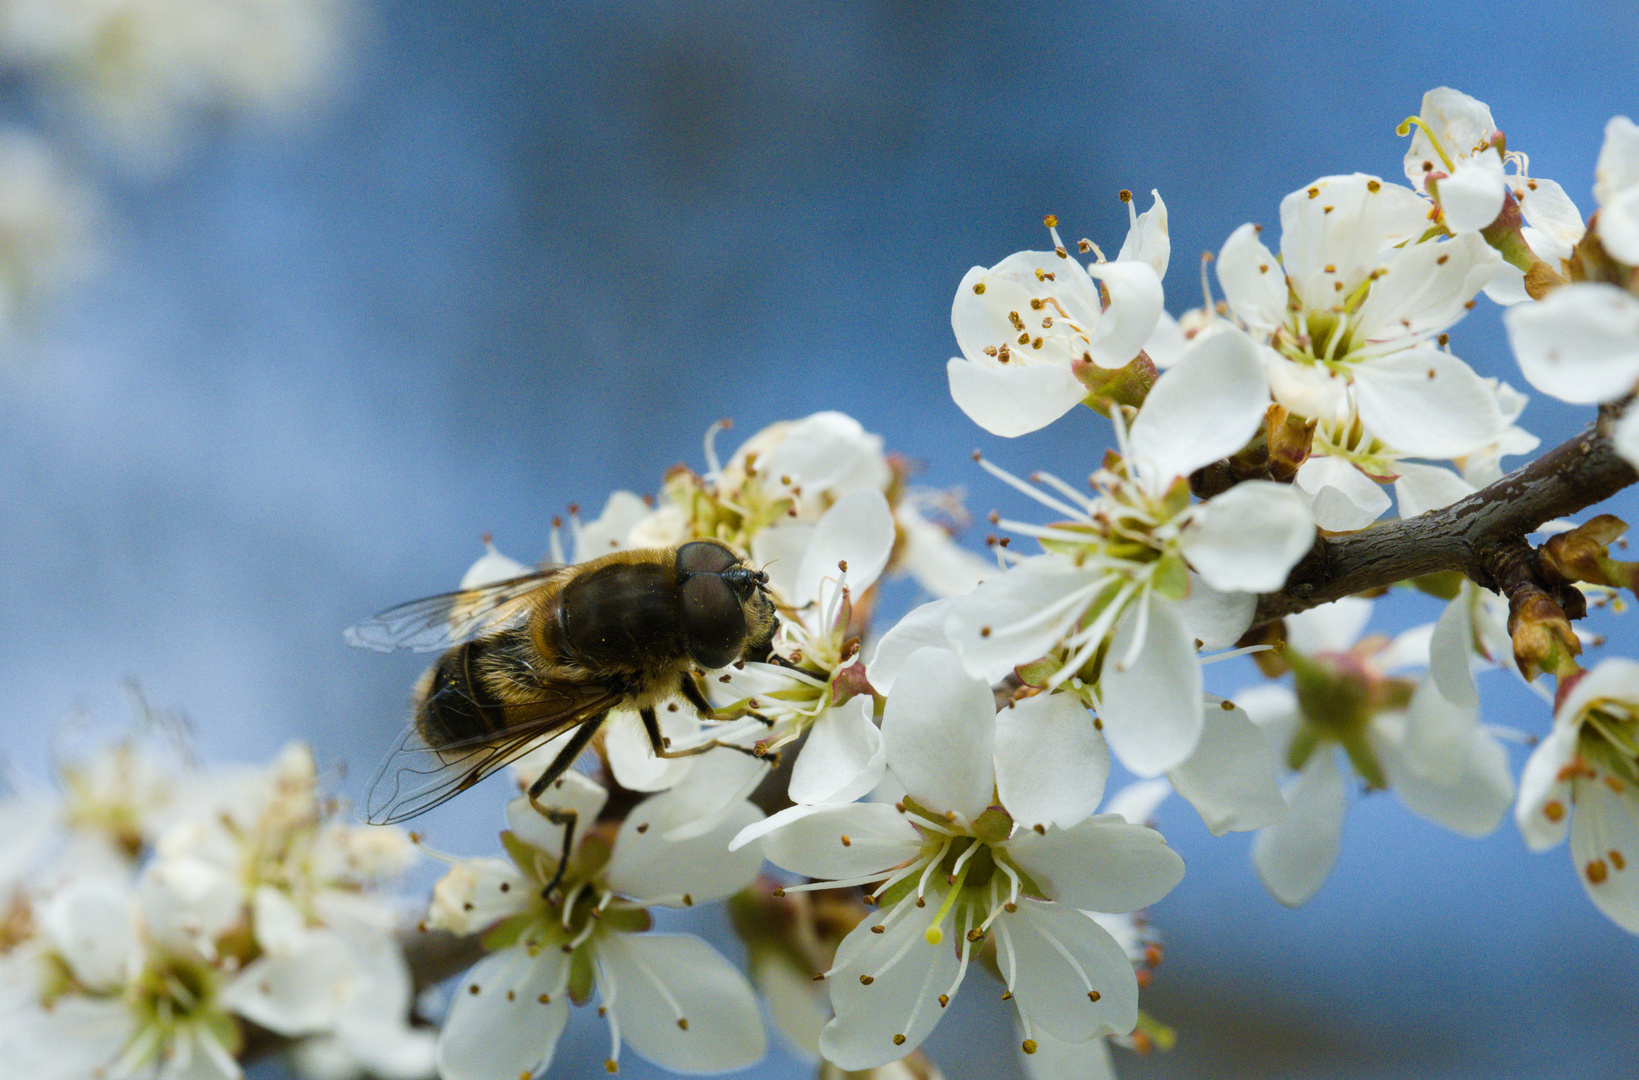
[{"x": 400, "y": 275}]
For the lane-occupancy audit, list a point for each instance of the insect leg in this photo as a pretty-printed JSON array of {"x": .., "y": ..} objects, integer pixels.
[
  {"x": 690, "y": 689},
  {"x": 662, "y": 745},
  {"x": 557, "y": 815}
]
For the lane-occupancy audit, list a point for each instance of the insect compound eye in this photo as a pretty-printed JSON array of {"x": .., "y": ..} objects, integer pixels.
[
  {"x": 714, "y": 625},
  {"x": 704, "y": 557}
]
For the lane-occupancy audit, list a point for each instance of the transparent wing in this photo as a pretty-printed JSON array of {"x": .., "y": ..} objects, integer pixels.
[
  {"x": 438, "y": 622},
  {"x": 414, "y": 777}
]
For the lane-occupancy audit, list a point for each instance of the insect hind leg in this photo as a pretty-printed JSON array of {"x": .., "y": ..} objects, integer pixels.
[{"x": 559, "y": 815}]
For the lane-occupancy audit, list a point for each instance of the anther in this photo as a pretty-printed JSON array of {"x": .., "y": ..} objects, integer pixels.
[
  {"x": 1028, "y": 1046},
  {"x": 1093, "y": 995},
  {"x": 899, "y": 1040},
  {"x": 682, "y": 1023},
  {"x": 866, "y": 980}
]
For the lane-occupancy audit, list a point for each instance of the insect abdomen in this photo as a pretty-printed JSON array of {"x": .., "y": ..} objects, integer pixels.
[{"x": 465, "y": 695}]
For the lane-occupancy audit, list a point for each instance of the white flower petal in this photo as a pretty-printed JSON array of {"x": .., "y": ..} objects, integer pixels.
[
  {"x": 680, "y": 1004},
  {"x": 994, "y": 627},
  {"x": 1427, "y": 403},
  {"x": 1051, "y": 763},
  {"x": 840, "y": 842},
  {"x": 1471, "y": 197},
  {"x": 1295, "y": 855},
  {"x": 1138, "y": 801},
  {"x": 1151, "y": 710},
  {"x": 900, "y": 998},
  {"x": 296, "y": 992},
  {"x": 932, "y": 556},
  {"x": 1443, "y": 765},
  {"x": 1248, "y": 538},
  {"x": 1544, "y": 809},
  {"x": 491, "y": 566},
  {"x": 921, "y": 627},
  {"x": 1625, "y": 437},
  {"x": 1060, "y": 959},
  {"x": 573, "y": 792},
  {"x": 1309, "y": 390},
  {"x": 779, "y": 550},
  {"x": 1451, "y": 652},
  {"x": 1339, "y": 228},
  {"x": 649, "y": 861},
  {"x": 610, "y": 530},
  {"x": 714, "y": 789},
  {"x": 1106, "y": 863},
  {"x": 91, "y": 924},
  {"x": 1135, "y": 306},
  {"x": 1147, "y": 240},
  {"x": 1329, "y": 628},
  {"x": 826, "y": 452},
  {"x": 478, "y": 893},
  {"x": 1215, "y": 619},
  {"x": 1205, "y": 407},
  {"x": 1616, "y": 186},
  {"x": 1421, "y": 488},
  {"x": 1580, "y": 343},
  {"x": 1344, "y": 498},
  {"x": 1055, "y": 1059},
  {"x": 1016, "y": 399},
  {"x": 1460, "y": 123},
  {"x": 858, "y": 529},
  {"x": 843, "y": 758},
  {"x": 1252, "y": 280},
  {"x": 1604, "y": 843},
  {"x": 504, "y": 1029},
  {"x": 1230, "y": 779},
  {"x": 939, "y": 728},
  {"x": 1553, "y": 224},
  {"x": 633, "y": 760}
]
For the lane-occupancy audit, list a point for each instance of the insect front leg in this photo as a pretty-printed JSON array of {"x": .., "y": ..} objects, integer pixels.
[
  {"x": 690, "y": 689},
  {"x": 558, "y": 815},
  {"x": 662, "y": 745}
]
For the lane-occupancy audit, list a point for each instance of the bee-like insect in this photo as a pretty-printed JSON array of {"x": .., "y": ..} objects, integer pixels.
[{"x": 555, "y": 650}]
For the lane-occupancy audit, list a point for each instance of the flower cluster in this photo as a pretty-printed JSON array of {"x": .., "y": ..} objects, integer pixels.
[
  {"x": 141, "y": 73},
  {"x": 940, "y": 808},
  {"x": 938, "y": 814},
  {"x": 157, "y": 914}
]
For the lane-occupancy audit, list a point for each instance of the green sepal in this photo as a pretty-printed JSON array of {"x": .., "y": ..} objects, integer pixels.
[
  {"x": 582, "y": 976},
  {"x": 1170, "y": 577},
  {"x": 993, "y": 826},
  {"x": 1444, "y": 584}
]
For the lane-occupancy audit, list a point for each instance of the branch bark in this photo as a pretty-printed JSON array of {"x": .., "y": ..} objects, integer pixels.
[{"x": 1463, "y": 536}]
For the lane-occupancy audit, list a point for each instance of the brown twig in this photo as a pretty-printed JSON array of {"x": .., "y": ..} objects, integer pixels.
[{"x": 1463, "y": 536}]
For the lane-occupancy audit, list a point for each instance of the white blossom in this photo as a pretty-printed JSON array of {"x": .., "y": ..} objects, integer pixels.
[
  {"x": 1137, "y": 574},
  {"x": 1023, "y": 323},
  {"x": 672, "y": 998},
  {"x": 949, "y": 861},
  {"x": 1582, "y": 777},
  {"x": 1431, "y": 751}
]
